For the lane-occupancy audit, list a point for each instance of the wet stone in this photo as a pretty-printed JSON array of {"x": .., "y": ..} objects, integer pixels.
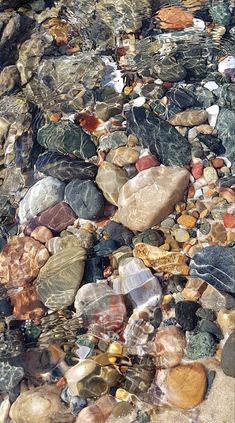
[
  {"x": 185, "y": 313},
  {"x": 200, "y": 345},
  {"x": 228, "y": 356},
  {"x": 85, "y": 199}
]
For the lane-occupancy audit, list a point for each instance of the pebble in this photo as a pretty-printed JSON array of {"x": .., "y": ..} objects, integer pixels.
[
  {"x": 190, "y": 117},
  {"x": 85, "y": 199},
  {"x": 228, "y": 356},
  {"x": 187, "y": 220},
  {"x": 146, "y": 162},
  {"x": 211, "y": 85},
  {"x": 169, "y": 347},
  {"x": 181, "y": 235},
  {"x": 185, "y": 313},
  {"x": 42, "y": 234},
  {"x": 200, "y": 345},
  {"x": 110, "y": 179},
  {"x": 229, "y": 220},
  {"x": 197, "y": 170},
  {"x": 210, "y": 175},
  {"x": 210, "y": 327},
  {"x": 206, "y": 313},
  {"x": 226, "y": 319},
  {"x": 186, "y": 385}
]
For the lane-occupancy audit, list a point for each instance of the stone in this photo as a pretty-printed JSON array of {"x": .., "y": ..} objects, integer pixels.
[
  {"x": 215, "y": 264},
  {"x": 229, "y": 220},
  {"x": 200, "y": 345},
  {"x": 65, "y": 137},
  {"x": 226, "y": 319},
  {"x": 186, "y": 385},
  {"x": 27, "y": 305},
  {"x": 181, "y": 98},
  {"x": 190, "y": 117},
  {"x": 211, "y": 327},
  {"x": 197, "y": 170},
  {"x": 150, "y": 196},
  {"x": 146, "y": 162},
  {"x": 45, "y": 193},
  {"x": 214, "y": 299},
  {"x": 40, "y": 404},
  {"x": 122, "y": 156},
  {"x": 169, "y": 70},
  {"x": 210, "y": 175},
  {"x": 21, "y": 260},
  {"x": 150, "y": 236},
  {"x": 213, "y": 112},
  {"x": 118, "y": 232},
  {"x": 113, "y": 140},
  {"x": 181, "y": 235},
  {"x": 97, "y": 412},
  {"x": 174, "y": 17},
  {"x": 10, "y": 376},
  {"x": 206, "y": 313},
  {"x": 56, "y": 218},
  {"x": 187, "y": 220},
  {"x": 110, "y": 179},
  {"x": 226, "y": 131},
  {"x": 85, "y": 199},
  {"x": 228, "y": 356},
  {"x": 193, "y": 289},
  {"x": 163, "y": 140},
  {"x": 65, "y": 168},
  {"x": 60, "y": 278},
  {"x": 160, "y": 260},
  {"x": 228, "y": 194},
  {"x": 218, "y": 233},
  {"x": 213, "y": 143},
  {"x": 185, "y": 313},
  {"x": 42, "y": 234},
  {"x": 169, "y": 344}
]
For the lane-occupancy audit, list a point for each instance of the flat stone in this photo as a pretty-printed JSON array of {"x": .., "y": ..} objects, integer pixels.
[
  {"x": 45, "y": 193},
  {"x": 110, "y": 179},
  {"x": 228, "y": 356},
  {"x": 186, "y": 385},
  {"x": 215, "y": 265},
  {"x": 214, "y": 299},
  {"x": 85, "y": 199},
  {"x": 190, "y": 117},
  {"x": 163, "y": 140},
  {"x": 150, "y": 196}
]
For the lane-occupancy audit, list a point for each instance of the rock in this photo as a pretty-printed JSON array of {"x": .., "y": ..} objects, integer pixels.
[
  {"x": 160, "y": 260},
  {"x": 113, "y": 140},
  {"x": 56, "y": 218},
  {"x": 226, "y": 131},
  {"x": 214, "y": 264},
  {"x": 186, "y": 385},
  {"x": 213, "y": 143},
  {"x": 226, "y": 319},
  {"x": 213, "y": 112},
  {"x": 118, "y": 232},
  {"x": 10, "y": 376},
  {"x": 185, "y": 313},
  {"x": 150, "y": 196},
  {"x": 190, "y": 117},
  {"x": 200, "y": 345},
  {"x": 210, "y": 327},
  {"x": 197, "y": 170},
  {"x": 228, "y": 356},
  {"x": 187, "y": 220},
  {"x": 42, "y": 234},
  {"x": 97, "y": 412},
  {"x": 181, "y": 98},
  {"x": 210, "y": 175},
  {"x": 110, "y": 179},
  {"x": 27, "y": 305},
  {"x": 9, "y": 80},
  {"x": 214, "y": 299},
  {"x": 145, "y": 162},
  {"x": 181, "y": 235},
  {"x": 206, "y": 313},
  {"x": 169, "y": 70},
  {"x": 228, "y": 194},
  {"x": 21, "y": 260},
  {"x": 229, "y": 220},
  {"x": 163, "y": 140},
  {"x": 227, "y": 63},
  {"x": 169, "y": 347},
  {"x": 218, "y": 233},
  {"x": 40, "y": 404},
  {"x": 122, "y": 156},
  {"x": 65, "y": 137},
  {"x": 150, "y": 236},
  {"x": 85, "y": 199},
  {"x": 45, "y": 193},
  {"x": 60, "y": 278},
  {"x": 64, "y": 168}
]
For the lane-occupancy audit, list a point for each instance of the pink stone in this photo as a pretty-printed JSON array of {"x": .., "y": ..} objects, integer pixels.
[
  {"x": 197, "y": 170},
  {"x": 229, "y": 220},
  {"x": 146, "y": 162}
]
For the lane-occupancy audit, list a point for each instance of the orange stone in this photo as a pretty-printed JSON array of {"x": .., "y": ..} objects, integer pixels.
[
  {"x": 186, "y": 385},
  {"x": 187, "y": 220},
  {"x": 229, "y": 220},
  {"x": 42, "y": 234},
  {"x": 197, "y": 170},
  {"x": 228, "y": 194},
  {"x": 217, "y": 163},
  {"x": 174, "y": 17},
  {"x": 27, "y": 305}
]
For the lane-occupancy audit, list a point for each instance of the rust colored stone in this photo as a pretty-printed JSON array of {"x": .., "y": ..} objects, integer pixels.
[
  {"x": 174, "y": 17},
  {"x": 27, "y": 305}
]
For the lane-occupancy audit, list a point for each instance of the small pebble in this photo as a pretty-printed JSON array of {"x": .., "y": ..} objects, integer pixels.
[
  {"x": 181, "y": 235},
  {"x": 210, "y": 175}
]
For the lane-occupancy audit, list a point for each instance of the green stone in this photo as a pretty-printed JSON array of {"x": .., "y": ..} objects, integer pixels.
[{"x": 200, "y": 345}]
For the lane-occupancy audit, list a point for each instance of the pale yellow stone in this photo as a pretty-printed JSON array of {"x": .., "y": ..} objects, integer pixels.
[
  {"x": 110, "y": 179},
  {"x": 226, "y": 319},
  {"x": 150, "y": 196},
  {"x": 123, "y": 156}
]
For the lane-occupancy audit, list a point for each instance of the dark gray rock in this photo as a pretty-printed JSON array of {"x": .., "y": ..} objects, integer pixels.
[
  {"x": 226, "y": 131},
  {"x": 185, "y": 313},
  {"x": 118, "y": 232},
  {"x": 212, "y": 328},
  {"x": 85, "y": 199},
  {"x": 215, "y": 265},
  {"x": 228, "y": 356},
  {"x": 181, "y": 98},
  {"x": 159, "y": 136}
]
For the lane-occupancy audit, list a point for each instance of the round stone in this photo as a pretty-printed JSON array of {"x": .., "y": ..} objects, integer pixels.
[
  {"x": 181, "y": 235},
  {"x": 185, "y": 313},
  {"x": 210, "y": 175},
  {"x": 200, "y": 345},
  {"x": 186, "y": 385},
  {"x": 85, "y": 199}
]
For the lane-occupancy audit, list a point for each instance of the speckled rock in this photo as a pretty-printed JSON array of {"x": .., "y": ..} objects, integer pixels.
[
  {"x": 85, "y": 199},
  {"x": 150, "y": 196},
  {"x": 45, "y": 193},
  {"x": 110, "y": 179},
  {"x": 200, "y": 345}
]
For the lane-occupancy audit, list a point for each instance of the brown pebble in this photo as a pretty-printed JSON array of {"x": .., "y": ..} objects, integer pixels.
[
  {"x": 186, "y": 385},
  {"x": 42, "y": 234},
  {"x": 187, "y": 220},
  {"x": 226, "y": 319},
  {"x": 217, "y": 163},
  {"x": 228, "y": 194},
  {"x": 218, "y": 233}
]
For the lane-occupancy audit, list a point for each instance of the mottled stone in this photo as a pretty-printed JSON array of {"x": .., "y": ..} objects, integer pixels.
[
  {"x": 21, "y": 260},
  {"x": 186, "y": 385},
  {"x": 169, "y": 347},
  {"x": 60, "y": 278},
  {"x": 228, "y": 356},
  {"x": 27, "y": 305},
  {"x": 215, "y": 265},
  {"x": 163, "y": 140},
  {"x": 226, "y": 131},
  {"x": 110, "y": 179},
  {"x": 150, "y": 196},
  {"x": 226, "y": 319},
  {"x": 212, "y": 328},
  {"x": 45, "y": 193},
  {"x": 218, "y": 233},
  {"x": 200, "y": 345},
  {"x": 10, "y": 376},
  {"x": 185, "y": 313},
  {"x": 113, "y": 140},
  {"x": 85, "y": 199},
  {"x": 123, "y": 156},
  {"x": 57, "y": 218},
  {"x": 42, "y": 234},
  {"x": 64, "y": 168},
  {"x": 190, "y": 117},
  {"x": 65, "y": 137},
  {"x": 181, "y": 98},
  {"x": 210, "y": 175}
]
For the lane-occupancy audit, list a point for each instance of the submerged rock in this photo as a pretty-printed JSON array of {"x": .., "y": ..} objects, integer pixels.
[{"x": 85, "y": 199}]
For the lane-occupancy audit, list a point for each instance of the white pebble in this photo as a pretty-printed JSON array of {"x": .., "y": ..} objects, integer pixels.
[
  {"x": 213, "y": 112},
  {"x": 227, "y": 63},
  {"x": 210, "y": 175},
  {"x": 139, "y": 101},
  {"x": 211, "y": 85}
]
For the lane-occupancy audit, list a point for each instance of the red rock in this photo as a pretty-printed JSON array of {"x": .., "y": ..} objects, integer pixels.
[
  {"x": 229, "y": 220},
  {"x": 167, "y": 84},
  {"x": 27, "y": 305},
  {"x": 57, "y": 218},
  {"x": 217, "y": 163},
  {"x": 145, "y": 162},
  {"x": 197, "y": 170}
]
